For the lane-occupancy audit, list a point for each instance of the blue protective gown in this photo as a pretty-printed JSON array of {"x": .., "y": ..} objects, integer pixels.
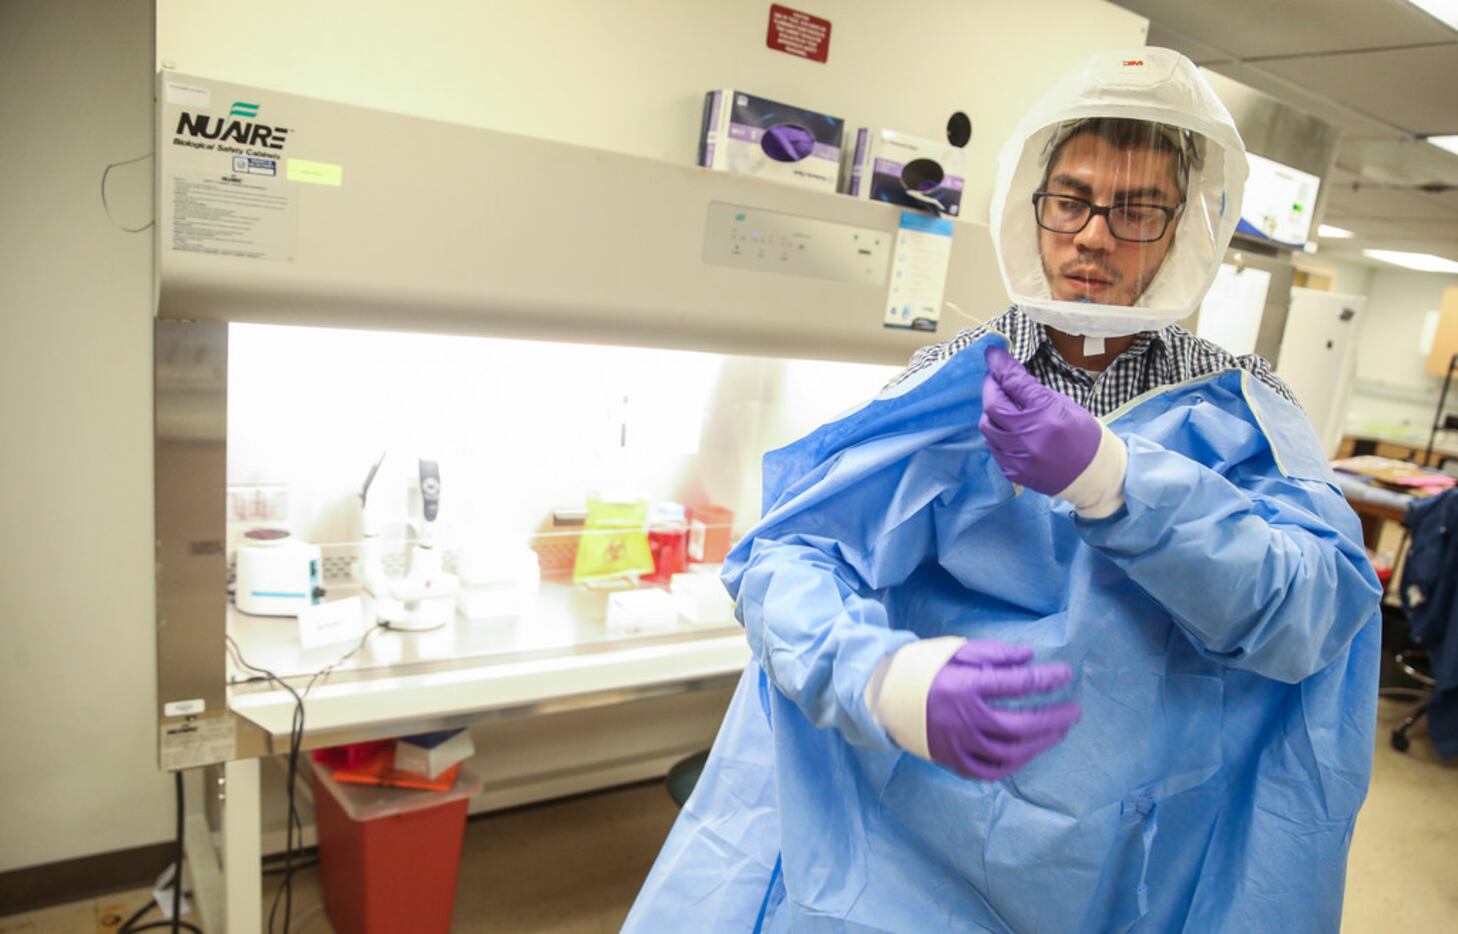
[{"x": 1223, "y": 631}]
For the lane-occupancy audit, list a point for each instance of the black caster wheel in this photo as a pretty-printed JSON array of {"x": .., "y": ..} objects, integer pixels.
[{"x": 1400, "y": 741}]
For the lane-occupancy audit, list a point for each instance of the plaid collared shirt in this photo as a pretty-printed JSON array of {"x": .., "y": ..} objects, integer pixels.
[{"x": 1156, "y": 358}]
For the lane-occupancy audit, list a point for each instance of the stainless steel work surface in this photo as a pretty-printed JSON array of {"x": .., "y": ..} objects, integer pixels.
[{"x": 557, "y": 656}]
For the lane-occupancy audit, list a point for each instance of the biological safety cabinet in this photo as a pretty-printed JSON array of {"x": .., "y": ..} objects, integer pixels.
[{"x": 333, "y": 277}]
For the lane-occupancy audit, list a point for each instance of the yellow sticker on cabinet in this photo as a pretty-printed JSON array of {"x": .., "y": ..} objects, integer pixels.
[{"x": 315, "y": 173}]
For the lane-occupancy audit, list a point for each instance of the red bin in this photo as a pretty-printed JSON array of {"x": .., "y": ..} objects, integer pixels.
[
  {"x": 710, "y": 533},
  {"x": 389, "y": 857}
]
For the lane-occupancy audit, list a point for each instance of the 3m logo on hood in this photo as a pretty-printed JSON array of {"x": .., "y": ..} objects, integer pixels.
[
  {"x": 1133, "y": 63},
  {"x": 243, "y": 132}
]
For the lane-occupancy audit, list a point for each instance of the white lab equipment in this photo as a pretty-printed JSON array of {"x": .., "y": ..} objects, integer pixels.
[
  {"x": 1318, "y": 358},
  {"x": 636, "y": 612},
  {"x": 406, "y": 491},
  {"x": 702, "y": 599},
  {"x": 1278, "y": 204},
  {"x": 498, "y": 581},
  {"x": 277, "y": 575},
  {"x": 1231, "y": 312}
]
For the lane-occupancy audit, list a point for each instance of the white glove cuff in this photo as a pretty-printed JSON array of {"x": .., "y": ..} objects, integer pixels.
[
  {"x": 1098, "y": 492},
  {"x": 898, "y": 690}
]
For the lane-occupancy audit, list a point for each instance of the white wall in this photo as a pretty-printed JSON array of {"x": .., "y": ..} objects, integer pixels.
[
  {"x": 1350, "y": 277},
  {"x": 77, "y": 669},
  {"x": 1393, "y": 389}
]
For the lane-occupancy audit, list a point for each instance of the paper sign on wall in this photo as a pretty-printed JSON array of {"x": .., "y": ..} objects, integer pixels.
[{"x": 798, "y": 34}]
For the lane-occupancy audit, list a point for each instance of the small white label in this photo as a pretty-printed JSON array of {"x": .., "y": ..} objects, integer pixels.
[
  {"x": 184, "y": 708},
  {"x": 255, "y": 165},
  {"x": 204, "y": 741},
  {"x": 188, "y": 95},
  {"x": 697, "y": 533},
  {"x": 329, "y": 623}
]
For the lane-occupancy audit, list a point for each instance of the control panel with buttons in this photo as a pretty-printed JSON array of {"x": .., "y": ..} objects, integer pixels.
[{"x": 770, "y": 241}]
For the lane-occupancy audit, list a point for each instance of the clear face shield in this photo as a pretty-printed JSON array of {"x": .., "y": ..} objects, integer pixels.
[{"x": 1111, "y": 225}]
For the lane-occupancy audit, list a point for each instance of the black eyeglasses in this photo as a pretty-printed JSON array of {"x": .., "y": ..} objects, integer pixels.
[{"x": 1131, "y": 222}]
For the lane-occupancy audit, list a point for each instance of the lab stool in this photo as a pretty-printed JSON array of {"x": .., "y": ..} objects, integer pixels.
[
  {"x": 684, "y": 776},
  {"x": 1414, "y": 663}
]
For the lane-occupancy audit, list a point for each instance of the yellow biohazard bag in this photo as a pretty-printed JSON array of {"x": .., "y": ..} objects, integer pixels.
[{"x": 614, "y": 541}]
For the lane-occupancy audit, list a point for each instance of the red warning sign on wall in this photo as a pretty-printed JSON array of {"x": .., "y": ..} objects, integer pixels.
[{"x": 799, "y": 34}]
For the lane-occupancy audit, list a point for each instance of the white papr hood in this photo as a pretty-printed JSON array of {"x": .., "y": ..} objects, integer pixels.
[{"x": 1149, "y": 84}]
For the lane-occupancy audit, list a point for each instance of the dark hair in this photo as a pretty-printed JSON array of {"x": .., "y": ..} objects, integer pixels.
[{"x": 1126, "y": 133}]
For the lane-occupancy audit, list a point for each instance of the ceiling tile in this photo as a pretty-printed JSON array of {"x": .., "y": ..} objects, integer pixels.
[
  {"x": 1187, "y": 45},
  {"x": 1345, "y": 207},
  {"x": 1445, "y": 250},
  {"x": 1396, "y": 161},
  {"x": 1411, "y": 89},
  {"x": 1254, "y": 28},
  {"x": 1348, "y": 121},
  {"x": 1368, "y": 232}
]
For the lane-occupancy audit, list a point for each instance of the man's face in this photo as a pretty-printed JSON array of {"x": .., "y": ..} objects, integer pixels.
[{"x": 1092, "y": 265}]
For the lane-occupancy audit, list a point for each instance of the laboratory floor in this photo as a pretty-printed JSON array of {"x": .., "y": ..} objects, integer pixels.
[{"x": 573, "y": 866}]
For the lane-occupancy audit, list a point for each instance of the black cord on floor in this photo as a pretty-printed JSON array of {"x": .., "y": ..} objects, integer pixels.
[
  {"x": 278, "y": 870},
  {"x": 176, "y": 923}
]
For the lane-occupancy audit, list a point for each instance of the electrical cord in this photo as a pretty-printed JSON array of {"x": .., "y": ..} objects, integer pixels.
[
  {"x": 293, "y": 823},
  {"x": 107, "y": 207},
  {"x": 973, "y": 318},
  {"x": 292, "y": 820},
  {"x": 177, "y": 876},
  {"x": 278, "y": 870},
  {"x": 176, "y": 923}
]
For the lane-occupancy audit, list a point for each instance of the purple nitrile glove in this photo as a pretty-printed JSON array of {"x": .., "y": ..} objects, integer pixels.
[
  {"x": 1045, "y": 441},
  {"x": 977, "y": 740},
  {"x": 1041, "y": 438},
  {"x": 786, "y": 142}
]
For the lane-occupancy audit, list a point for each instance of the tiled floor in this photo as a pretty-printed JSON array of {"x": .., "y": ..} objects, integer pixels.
[
  {"x": 573, "y": 867},
  {"x": 1402, "y": 874}
]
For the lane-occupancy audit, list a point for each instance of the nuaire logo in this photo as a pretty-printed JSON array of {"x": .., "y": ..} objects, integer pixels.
[{"x": 245, "y": 132}]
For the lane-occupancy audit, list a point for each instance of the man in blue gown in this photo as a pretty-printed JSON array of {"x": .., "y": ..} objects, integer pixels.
[{"x": 1068, "y": 629}]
